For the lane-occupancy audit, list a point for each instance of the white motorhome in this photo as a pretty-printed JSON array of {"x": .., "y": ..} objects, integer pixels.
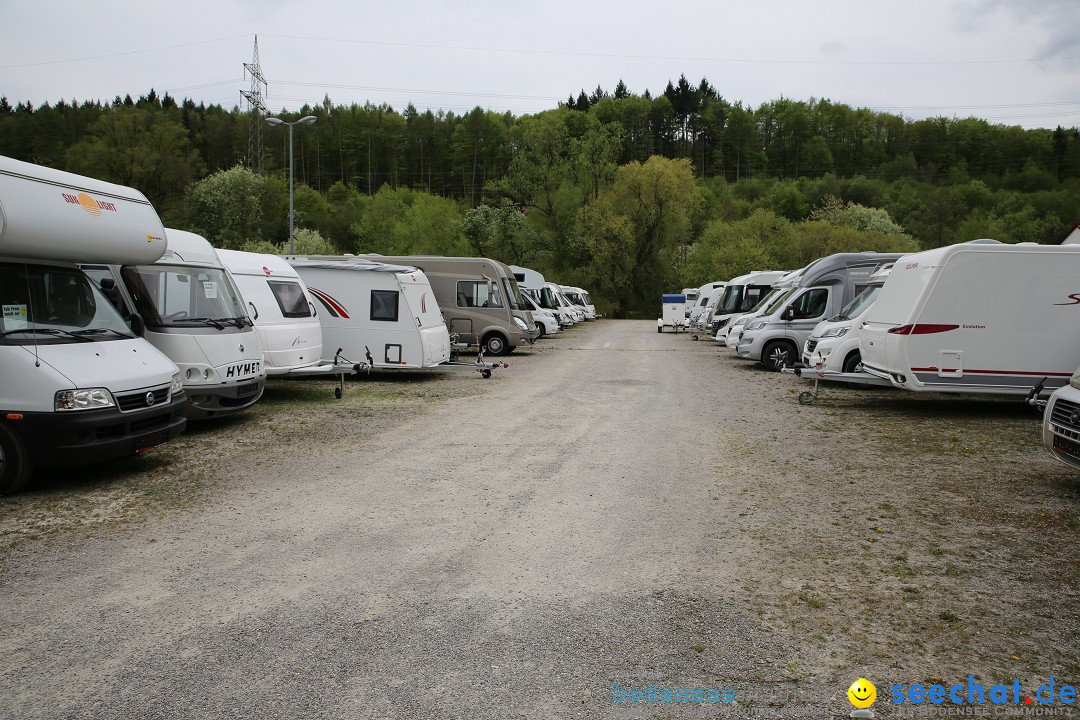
[
  {"x": 775, "y": 339},
  {"x": 389, "y": 310},
  {"x": 285, "y": 316},
  {"x": 580, "y": 299},
  {"x": 833, "y": 347},
  {"x": 546, "y": 321},
  {"x": 527, "y": 278},
  {"x": 740, "y": 295},
  {"x": 977, "y": 317},
  {"x": 194, "y": 314},
  {"x": 77, "y": 384},
  {"x": 731, "y": 332},
  {"x": 575, "y": 313},
  {"x": 706, "y": 295},
  {"x": 1061, "y": 423}
]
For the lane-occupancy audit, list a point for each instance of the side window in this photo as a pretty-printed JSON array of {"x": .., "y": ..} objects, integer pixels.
[
  {"x": 472, "y": 293},
  {"x": 290, "y": 298},
  {"x": 752, "y": 297},
  {"x": 384, "y": 305},
  {"x": 811, "y": 304}
]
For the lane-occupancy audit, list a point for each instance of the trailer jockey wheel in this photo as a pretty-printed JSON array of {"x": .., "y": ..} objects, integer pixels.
[
  {"x": 337, "y": 393},
  {"x": 485, "y": 374},
  {"x": 807, "y": 398}
]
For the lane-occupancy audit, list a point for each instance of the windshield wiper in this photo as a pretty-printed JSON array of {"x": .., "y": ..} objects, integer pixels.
[
  {"x": 48, "y": 331},
  {"x": 206, "y": 321},
  {"x": 95, "y": 331},
  {"x": 237, "y": 321}
]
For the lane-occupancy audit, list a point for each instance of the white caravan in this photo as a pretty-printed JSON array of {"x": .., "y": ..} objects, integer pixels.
[
  {"x": 387, "y": 310},
  {"x": 671, "y": 312},
  {"x": 546, "y": 321},
  {"x": 824, "y": 287},
  {"x": 740, "y": 295},
  {"x": 706, "y": 294},
  {"x": 580, "y": 299},
  {"x": 691, "y": 295},
  {"x": 285, "y": 316},
  {"x": 977, "y": 317},
  {"x": 1061, "y": 423},
  {"x": 77, "y": 385},
  {"x": 193, "y": 313},
  {"x": 833, "y": 347}
]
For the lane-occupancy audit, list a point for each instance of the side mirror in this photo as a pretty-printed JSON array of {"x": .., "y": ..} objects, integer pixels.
[
  {"x": 137, "y": 325},
  {"x": 789, "y": 314}
]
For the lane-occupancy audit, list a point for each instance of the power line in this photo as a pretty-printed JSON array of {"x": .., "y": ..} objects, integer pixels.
[{"x": 123, "y": 53}]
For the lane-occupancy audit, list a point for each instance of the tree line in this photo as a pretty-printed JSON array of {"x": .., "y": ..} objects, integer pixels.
[{"x": 625, "y": 193}]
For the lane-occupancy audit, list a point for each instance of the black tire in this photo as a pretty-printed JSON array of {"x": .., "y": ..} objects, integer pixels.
[
  {"x": 496, "y": 344},
  {"x": 485, "y": 374},
  {"x": 540, "y": 330},
  {"x": 15, "y": 465},
  {"x": 660, "y": 329},
  {"x": 777, "y": 355},
  {"x": 852, "y": 361}
]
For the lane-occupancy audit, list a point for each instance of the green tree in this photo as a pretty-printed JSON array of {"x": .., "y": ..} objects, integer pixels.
[{"x": 226, "y": 208}]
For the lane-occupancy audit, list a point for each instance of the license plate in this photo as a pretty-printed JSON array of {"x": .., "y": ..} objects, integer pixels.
[
  {"x": 144, "y": 442},
  {"x": 1067, "y": 447}
]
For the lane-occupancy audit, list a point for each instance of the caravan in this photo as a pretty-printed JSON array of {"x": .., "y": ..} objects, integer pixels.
[
  {"x": 77, "y": 384},
  {"x": 192, "y": 313},
  {"x": 387, "y": 310},
  {"x": 823, "y": 288},
  {"x": 977, "y": 317}
]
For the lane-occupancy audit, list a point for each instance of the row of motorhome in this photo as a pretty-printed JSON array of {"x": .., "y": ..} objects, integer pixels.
[
  {"x": 115, "y": 331},
  {"x": 979, "y": 317}
]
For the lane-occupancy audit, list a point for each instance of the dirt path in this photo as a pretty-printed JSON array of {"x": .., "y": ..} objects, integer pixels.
[{"x": 619, "y": 507}]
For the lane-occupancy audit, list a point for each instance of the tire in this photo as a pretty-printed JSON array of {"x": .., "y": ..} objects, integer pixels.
[
  {"x": 485, "y": 374},
  {"x": 777, "y": 355},
  {"x": 852, "y": 361},
  {"x": 15, "y": 466},
  {"x": 496, "y": 344},
  {"x": 541, "y": 332},
  {"x": 659, "y": 329}
]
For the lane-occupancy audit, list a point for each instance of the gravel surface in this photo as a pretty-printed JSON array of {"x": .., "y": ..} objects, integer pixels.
[{"x": 618, "y": 507}]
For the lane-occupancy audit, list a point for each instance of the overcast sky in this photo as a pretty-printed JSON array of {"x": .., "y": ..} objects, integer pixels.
[{"x": 1010, "y": 61}]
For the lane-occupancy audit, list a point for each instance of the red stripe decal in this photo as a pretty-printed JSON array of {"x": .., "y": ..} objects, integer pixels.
[
  {"x": 331, "y": 302},
  {"x": 922, "y": 329}
]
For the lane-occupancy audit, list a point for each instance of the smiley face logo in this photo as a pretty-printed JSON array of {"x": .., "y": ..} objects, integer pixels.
[{"x": 862, "y": 693}]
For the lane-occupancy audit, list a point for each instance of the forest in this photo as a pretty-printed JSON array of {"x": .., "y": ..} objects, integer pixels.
[{"x": 628, "y": 194}]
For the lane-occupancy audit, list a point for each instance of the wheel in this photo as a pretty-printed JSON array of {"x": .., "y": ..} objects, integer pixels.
[
  {"x": 694, "y": 338},
  {"x": 807, "y": 398},
  {"x": 485, "y": 374},
  {"x": 540, "y": 330},
  {"x": 777, "y": 355},
  {"x": 659, "y": 328},
  {"x": 852, "y": 361},
  {"x": 496, "y": 344},
  {"x": 337, "y": 393},
  {"x": 15, "y": 466}
]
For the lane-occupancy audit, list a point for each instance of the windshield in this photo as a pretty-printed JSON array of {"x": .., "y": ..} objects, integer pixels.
[
  {"x": 527, "y": 303},
  {"x": 42, "y": 304},
  {"x": 763, "y": 303},
  {"x": 779, "y": 300},
  {"x": 731, "y": 298},
  {"x": 586, "y": 298},
  {"x": 860, "y": 303},
  {"x": 547, "y": 298},
  {"x": 513, "y": 293},
  {"x": 183, "y": 296}
]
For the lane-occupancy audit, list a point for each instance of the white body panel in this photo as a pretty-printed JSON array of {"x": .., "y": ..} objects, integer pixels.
[
  {"x": 526, "y": 278},
  {"x": 344, "y": 290},
  {"x": 740, "y": 295},
  {"x": 978, "y": 318},
  {"x": 267, "y": 283},
  {"x": 834, "y": 344}
]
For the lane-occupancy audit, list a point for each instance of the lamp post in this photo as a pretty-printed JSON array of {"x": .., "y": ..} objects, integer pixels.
[{"x": 306, "y": 120}]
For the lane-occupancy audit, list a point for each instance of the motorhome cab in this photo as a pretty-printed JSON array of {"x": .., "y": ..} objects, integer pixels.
[
  {"x": 77, "y": 385},
  {"x": 581, "y": 299},
  {"x": 731, "y": 332},
  {"x": 387, "y": 310},
  {"x": 546, "y": 321},
  {"x": 286, "y": 319},
  {"x": 479, "y": 297},
  {"x": 194, "y": 314},
  {"x": 740, "y": 295},
  {"x": 706, "y": 294},
  {"x": 977, "y": 317},
  {"x": 834, "y": 344},
  {"x": 824, "y": 287}
]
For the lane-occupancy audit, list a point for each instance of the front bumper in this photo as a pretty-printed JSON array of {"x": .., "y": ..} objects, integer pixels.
[{"x": 221, "y": 400}]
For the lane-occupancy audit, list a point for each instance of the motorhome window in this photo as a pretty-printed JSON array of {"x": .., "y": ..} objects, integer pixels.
[
  {"x": 513, "y": 293},
  {"x": 384, "y": 305},
  {"x": 474, "y": 293},
  {"x": 861, "y": 302},
  {"x": 47, "y": 304},
  {"x": 811, "y": 304},
  {"x": 780, "y": 300},
  {"x": 547, "y": 299},
  {"x": 181, "y": 296},
  {"x": 290, "y": 298},
  {"x": 729, "y": 303},
  {"x": 753, "y": 296}
]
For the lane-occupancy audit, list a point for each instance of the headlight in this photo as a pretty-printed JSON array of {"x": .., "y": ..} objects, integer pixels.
[
  {"x": 521, "y": 324},
  {"x": 835, "y": 332},
  {"x": 88, "y": 399},
  {"x": 177, "y": 385},
  {"x": 756, "y": 325}
]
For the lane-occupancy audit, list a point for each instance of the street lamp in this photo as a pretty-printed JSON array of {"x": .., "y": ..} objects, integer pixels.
[{"x": 306, "y": 120}]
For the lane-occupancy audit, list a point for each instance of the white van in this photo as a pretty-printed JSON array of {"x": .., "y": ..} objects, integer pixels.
[
  {"x": 1061, "y": 423},
  {"x": 833, "y": 347},
  {"x": 825, "y": 286},
  {"x": 387, "y": 310},
  {"x": 194, "y": 314},
  {"x": 286, "y": 319},
  {"x": 740, "y": 295},
  {"x": 546, "y": 321},
  {"x": 77, "y": 384},
  {"x": 977, "y": 317}
]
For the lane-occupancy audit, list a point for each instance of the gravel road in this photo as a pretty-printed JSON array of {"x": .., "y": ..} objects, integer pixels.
[{"x": 618, "y": 507}]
